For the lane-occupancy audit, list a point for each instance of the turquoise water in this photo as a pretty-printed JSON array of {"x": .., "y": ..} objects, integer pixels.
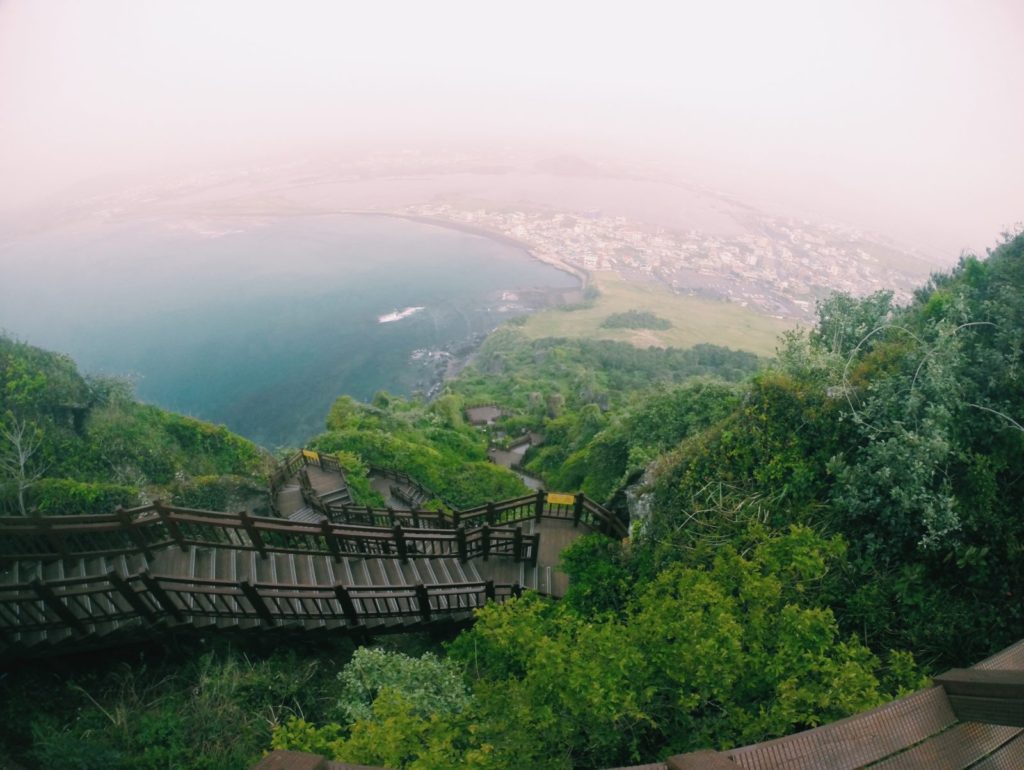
[{"x": 261, "y": 327}]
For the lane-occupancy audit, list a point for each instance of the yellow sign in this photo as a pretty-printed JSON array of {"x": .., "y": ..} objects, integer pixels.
[
  {"x": 557, "y": 498},
  {"x": 311, "y": 455}
]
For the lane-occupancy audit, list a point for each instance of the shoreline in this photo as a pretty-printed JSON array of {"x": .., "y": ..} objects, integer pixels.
[{"x": 578, "y": 273}]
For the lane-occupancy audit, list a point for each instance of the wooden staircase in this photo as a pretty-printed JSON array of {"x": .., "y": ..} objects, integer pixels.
[
  {"x": 84, "y": 581},
  {"x": 88, "y": 602}
]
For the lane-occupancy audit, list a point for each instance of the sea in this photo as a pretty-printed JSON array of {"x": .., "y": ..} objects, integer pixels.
[{"x": 260, "y": 323}]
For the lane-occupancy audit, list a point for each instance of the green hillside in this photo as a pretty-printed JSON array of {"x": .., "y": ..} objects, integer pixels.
[{"x": 75, "y": 444}]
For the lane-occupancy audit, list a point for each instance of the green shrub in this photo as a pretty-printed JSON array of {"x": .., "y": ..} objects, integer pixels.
[{"x": 68, "y": 497}]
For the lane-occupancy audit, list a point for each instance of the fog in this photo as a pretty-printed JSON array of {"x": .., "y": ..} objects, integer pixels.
[{"x": 903, "y": 116}]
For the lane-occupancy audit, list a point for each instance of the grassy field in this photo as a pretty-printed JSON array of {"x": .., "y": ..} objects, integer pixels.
[{"x": 693, "y": 320}]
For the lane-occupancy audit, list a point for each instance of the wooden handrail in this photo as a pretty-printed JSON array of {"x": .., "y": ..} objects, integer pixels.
[
  {"x": 108, "y": 535},
  {"x": 366, "y": 531},
  {"x": 33, "y": 606},
  {"x": 190, "y": 527}
]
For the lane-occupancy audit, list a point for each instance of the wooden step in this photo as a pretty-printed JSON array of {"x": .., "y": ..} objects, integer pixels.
[
  {"x": 387, "y": 569},
  {"x": 440, "y": 603},
  {"x": 306, "y": 515},
  {"x": 308, "y": 575}
]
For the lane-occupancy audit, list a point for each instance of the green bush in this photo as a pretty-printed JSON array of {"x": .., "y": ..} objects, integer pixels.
[
  {"x": 218, "y": 493},
  {"x": 635, "y": 319},
  {"x": 69, "y": 497}
]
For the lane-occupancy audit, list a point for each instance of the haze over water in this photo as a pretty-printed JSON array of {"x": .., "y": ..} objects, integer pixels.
[
  {"x": 261, "y": 327},
  {"x": 898, "y": 118}
]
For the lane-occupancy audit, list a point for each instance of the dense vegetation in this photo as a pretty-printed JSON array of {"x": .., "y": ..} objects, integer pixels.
[
  {"x": 728, "y": 650},
  {"x": 562, "y": 388},
  {"x": 855, "y": 503},
  {"x": 432, "y": 443},
  {"x": 899, "y": 429},
  {"x": 74, "y": 444},
  {"x": 638, "y": 401},
  {"x": 811, "y": 536},
  {"x": 635, "y": 319},
  {"x": 542, "y": 378},
  {"x": 196, "y": 707}
]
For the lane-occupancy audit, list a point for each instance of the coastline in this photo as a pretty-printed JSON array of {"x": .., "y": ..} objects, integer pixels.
[{"x": 578, "y": 273}]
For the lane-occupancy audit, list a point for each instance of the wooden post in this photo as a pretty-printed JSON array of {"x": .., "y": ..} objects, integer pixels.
[
  {"x": 460, "y": 543},
  {"x": 348, "y": 607},
  {"x": 331, "y": 540},
  {"x": 424, "y": 601},
  {"x": 391, "y": 516},
  {"x": 256, "y": 601},
  {"x": 133, "y": 599},
  {"x": 538, "y": 505},
  {"x": 415, "y": 519},
  {"x": 485, "y": 533},
  {"x": 517, "y": 543},
  {"x": 58, "y": 607},
  {"x": 254, "y": 534},
  {"x": 399, "y": 536},
  {"x": 577, "y": 509},
  {"x": 160, "y": 596},
  {"x": 492, "y": 516},
  {"x": 489, "y": 590},
  {"x": 170, "y": 524},
  {"x": 990, "y": 696},
  {"x": 456, "y": 519},
  {"x": 133, "y": 534}
]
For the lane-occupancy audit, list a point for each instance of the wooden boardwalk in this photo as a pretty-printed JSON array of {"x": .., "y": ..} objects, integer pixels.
[{"x": 322, "y": 565}]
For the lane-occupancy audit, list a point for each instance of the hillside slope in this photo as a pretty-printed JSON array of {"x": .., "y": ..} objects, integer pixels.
[{"x": 76, "y": 444}]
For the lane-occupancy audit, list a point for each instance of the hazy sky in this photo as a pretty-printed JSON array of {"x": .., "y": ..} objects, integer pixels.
[{"x": 902, "y": 114}]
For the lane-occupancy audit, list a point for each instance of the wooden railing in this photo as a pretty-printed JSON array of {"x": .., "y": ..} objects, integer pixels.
[
  {"x": 409, "y": 481},
  {"x": 87, "y": 604},
  {"x": 480, "y": 531},
  {"x": 285, "y": 471},
  {"x": 156, "y": 526},
  {"x": 294, "y": 465},
  {"x": 518, "y": 510},
  {"x": 540, "y": 505},
  {"x": 388, "y": 517}
]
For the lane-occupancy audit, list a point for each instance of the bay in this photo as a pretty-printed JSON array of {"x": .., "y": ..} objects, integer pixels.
[{"x": 260, "y": 324}]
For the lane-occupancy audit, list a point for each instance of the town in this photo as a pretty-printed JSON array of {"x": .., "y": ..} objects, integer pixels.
[{"x": 777, "y": 266}]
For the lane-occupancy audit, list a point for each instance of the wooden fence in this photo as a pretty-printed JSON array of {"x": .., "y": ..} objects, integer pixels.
[
  {"x": 352, "y": 531},
  {"x": 94, "y": 604},
  {"x": 156, "y": 526},
  {"x": 517, "y": 510}
]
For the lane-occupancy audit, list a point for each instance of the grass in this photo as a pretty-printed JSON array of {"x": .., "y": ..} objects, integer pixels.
[{"x": 693, "y": 319}]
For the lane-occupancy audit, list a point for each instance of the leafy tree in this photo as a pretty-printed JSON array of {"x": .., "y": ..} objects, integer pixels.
[
  {"x": 428, "y": 684},
  {"x": 729, "y": 651},
  {"x": 900, "y": 428},
  {"x": 845, "y": 323}
]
